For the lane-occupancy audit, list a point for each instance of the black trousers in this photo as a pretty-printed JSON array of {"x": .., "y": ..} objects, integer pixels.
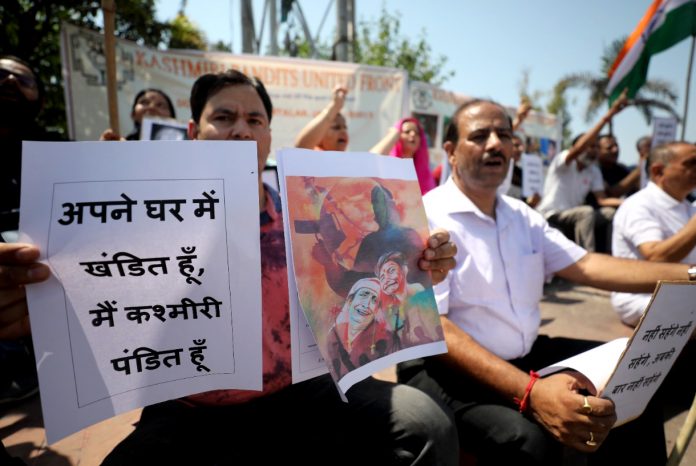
[
  {"x": 307, "y": 423},
  {"x": 493, "y": 430}
]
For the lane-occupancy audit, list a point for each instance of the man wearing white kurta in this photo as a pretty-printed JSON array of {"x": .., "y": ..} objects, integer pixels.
[
  {"x": 657, "y": 223},
  {"x": 490, "y": 316},
  {"x": 572, "y": 175}
]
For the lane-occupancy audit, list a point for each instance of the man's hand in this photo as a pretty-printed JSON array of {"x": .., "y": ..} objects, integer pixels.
[
  {"x": 110, "y": 135},
  {"x": 339, "y": 97},
  {"x": 556, "y": 404},
  {"x": 619, "y": 104},
  {"x": 523, "y": 109},
  {"x": 18, "y": 267},
  {"x": 438, "y": 256}
]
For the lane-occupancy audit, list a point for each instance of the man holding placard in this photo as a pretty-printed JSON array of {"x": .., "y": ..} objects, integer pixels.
[
  {"x": 404, "y": 425},
  {"x": 491, "y": 320}
]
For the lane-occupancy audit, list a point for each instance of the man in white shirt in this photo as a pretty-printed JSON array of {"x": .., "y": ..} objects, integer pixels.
[
  {"x": 490, "y": 307},
  {"x": 658, "y": 222},
  {"x": 571, "y": 176}
]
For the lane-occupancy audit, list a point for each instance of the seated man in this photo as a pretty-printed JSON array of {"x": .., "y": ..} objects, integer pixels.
[
  {"x": 492, "y": 318},
  {"x": 657, "y": 223},
  {"x": 572, "y": 175},
  {"x": 397, "y": 424},
  {"x": 619, "y": 180}
]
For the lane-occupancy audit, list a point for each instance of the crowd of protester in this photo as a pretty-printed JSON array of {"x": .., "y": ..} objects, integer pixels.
[{"x": 490, "y": 253}]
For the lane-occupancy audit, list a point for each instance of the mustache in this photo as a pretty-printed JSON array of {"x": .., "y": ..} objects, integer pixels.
[{"x": 488, "y": 156}]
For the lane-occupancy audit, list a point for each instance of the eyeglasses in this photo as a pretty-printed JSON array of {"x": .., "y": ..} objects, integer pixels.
[{"x": 23, "y": 80}]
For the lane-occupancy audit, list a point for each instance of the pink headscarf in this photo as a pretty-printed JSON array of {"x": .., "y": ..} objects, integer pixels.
[{"x": 421, "y": 159}]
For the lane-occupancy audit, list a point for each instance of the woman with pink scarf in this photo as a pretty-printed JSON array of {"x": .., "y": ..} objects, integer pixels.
[{"x": 412, "y": 144}]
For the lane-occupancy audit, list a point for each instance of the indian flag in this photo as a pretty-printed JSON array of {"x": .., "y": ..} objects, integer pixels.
[{"x": 665, "y": 23}]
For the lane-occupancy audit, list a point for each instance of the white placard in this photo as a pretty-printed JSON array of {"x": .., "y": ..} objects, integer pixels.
[
  {"x": 629, "y": 371},
  {"x": 532, "y": 175},
  {"x": 163, "y": 129},
  {"x": 155, "y": 292},
  {"x": 664, "y": 130}
]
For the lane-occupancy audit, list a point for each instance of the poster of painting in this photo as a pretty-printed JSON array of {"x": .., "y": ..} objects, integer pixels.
[{"x": 357, "y": 229}]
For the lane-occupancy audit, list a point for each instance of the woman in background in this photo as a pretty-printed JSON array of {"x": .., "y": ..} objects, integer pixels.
[
  {"x": 412, "y": 144},
  {"x": 148, "y": 102}
]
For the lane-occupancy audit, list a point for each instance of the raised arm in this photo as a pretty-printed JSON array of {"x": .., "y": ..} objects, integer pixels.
[
  {"x": 581, "y": 145},
  {"x": 384, "y": 146},
  {"x": 554, "y": 401},
  {"x": 522, "y": 111},
  {"x": 314, "y": 131},
  {"x": 18, "y": 267}
]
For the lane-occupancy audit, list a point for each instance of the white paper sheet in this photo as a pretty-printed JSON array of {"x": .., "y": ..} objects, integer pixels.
[
  {"x": 532, "y": 175},
  {"x": 629, "y": 372},
  {"x": 163, "y": 129},
  {"x": 358, "y": 168},
  {"x": 123, "y": 273}
]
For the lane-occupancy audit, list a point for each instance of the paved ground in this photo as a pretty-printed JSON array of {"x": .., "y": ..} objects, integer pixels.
[{"x": 578, "y": 312}]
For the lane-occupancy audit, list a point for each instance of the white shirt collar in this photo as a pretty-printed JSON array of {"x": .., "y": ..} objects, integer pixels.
[
  {"x": 662, "y": 197},
  {"x": 458, "y": 202}
]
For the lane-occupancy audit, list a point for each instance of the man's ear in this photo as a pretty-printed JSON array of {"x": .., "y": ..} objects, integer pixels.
[
  {"x": 192, "y": 130},
  {"x": 656, "y": 170},
  {"x": 448, "y": 146}
]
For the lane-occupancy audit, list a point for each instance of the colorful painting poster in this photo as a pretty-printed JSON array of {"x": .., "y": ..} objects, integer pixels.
[{"x": 357, "y": 229}]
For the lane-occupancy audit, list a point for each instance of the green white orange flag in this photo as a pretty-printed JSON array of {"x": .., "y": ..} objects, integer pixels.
[{"x": 664, "y": 24}]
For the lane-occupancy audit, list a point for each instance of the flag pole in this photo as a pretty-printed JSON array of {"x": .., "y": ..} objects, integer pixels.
[
  {"x": 688, "y": 82},
  {"x": 109, "y": 10}
]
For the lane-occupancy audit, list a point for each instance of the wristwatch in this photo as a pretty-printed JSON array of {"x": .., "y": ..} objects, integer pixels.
[{"x": 691, "y": 271}]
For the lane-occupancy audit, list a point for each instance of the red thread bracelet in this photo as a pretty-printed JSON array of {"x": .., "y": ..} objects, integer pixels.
[{"x": 524, "y": 402}]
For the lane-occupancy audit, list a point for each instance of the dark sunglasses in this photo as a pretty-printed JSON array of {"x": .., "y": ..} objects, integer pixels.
[{"x": 24, "y": 81}]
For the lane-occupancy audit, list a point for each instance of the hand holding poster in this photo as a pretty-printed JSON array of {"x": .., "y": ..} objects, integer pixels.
[
  {"x": 155, "y": 291},
  {"x": 629, "y": 371},
  {"x": 357, "y": 229}
]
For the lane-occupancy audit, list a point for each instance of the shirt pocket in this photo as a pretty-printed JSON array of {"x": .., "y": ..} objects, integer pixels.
[{"x": 528, "y": 284}]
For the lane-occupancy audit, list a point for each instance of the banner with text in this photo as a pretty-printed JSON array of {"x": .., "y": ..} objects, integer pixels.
[
  {"x": 434, "y": 107},
  {"x": 299, "y": 89}
]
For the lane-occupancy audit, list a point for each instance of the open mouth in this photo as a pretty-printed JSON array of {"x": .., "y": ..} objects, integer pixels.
[
  {"x": 496, "y": 162},
  {"x": 493, "y": 160},
  {"x": 390, "y": 285}
]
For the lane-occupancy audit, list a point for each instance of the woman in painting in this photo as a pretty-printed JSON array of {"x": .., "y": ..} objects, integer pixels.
[{"x": 360, "y": 333}]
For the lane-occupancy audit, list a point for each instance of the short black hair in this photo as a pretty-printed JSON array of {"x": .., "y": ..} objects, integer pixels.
[
  {"x": 641, "y": 140},
  {"x": 452, "y": 133},
  {"x": 39, "y": 84},
  {"x": 160, "y": 92},
  {"x": 605, "y": 136},
  {"x": 210, "y": 84}
]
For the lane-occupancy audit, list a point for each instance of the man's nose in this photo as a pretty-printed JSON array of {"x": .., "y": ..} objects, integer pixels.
[
  {"x": 493, "y": 141},
  {"x": 240, "y": 131},
  {"x": 10, "y": 78}
]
